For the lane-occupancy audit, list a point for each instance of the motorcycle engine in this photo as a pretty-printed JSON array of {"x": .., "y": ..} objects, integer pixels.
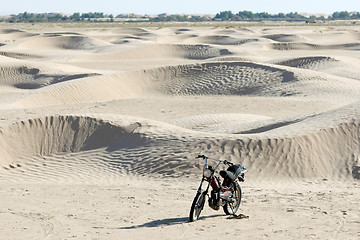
[
  {"x": 226, "y": 195},
  {"x": 214, "y": 200}
]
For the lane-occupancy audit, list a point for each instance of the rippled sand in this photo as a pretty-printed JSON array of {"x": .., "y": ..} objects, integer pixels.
[{"x": 99, "y": 128}]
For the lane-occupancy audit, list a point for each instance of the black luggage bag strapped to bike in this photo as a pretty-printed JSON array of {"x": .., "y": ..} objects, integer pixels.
[{"x": 232, "y": 172}]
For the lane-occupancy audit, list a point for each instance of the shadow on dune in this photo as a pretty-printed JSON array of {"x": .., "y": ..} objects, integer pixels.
[
  {"x": 42, "y": 80},
  {"x": 269, "y": 127},
  {"x": 27, "y": 77},
  {"x": 128, "y": 140}
]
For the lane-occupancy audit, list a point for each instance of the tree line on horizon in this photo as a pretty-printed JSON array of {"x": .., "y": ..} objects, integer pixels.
[
  {"x": 222, "y": 16},
  {"x": 55, "y": 17},
  {"x": 250, "y": 16}
]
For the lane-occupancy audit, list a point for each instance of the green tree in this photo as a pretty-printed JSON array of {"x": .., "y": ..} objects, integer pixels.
[
  {"x": 344, "y": 15},
  {"x": 246, "y": 15},
  {"x": 225, "y": 15},
  {"x": 75, "y": 16}
]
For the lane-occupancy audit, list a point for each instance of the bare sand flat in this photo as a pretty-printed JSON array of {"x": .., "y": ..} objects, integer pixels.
[{"x": 100, "y": 126}]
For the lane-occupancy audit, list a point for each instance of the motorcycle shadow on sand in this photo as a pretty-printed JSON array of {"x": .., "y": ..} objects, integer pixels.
[{"x": 169, "y": 222}]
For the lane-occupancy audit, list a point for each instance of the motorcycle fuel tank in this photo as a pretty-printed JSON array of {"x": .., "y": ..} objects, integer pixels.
[{"x": 215, "y": 183}]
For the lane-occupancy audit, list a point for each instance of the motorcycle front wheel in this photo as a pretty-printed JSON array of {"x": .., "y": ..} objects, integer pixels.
[
  {"x": 197, "y": 206},
  {"x": 231, "y": 208}
]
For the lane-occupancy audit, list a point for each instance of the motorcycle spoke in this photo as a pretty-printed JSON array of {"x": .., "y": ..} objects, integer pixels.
[{"x": 232, "y": 209}]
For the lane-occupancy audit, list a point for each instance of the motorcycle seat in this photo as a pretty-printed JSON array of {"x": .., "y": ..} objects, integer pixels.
[{"x": 227, "y": 174}]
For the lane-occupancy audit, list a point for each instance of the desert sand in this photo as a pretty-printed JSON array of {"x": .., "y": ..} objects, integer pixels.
[{"x": 100, "y": 127}]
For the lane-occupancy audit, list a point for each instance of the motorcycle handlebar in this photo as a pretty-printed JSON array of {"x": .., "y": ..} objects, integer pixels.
[{"x": 225, "y": 162}]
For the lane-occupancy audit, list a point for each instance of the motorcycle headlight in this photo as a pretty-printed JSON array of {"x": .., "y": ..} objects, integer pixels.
[{"x": 207, "y": 173}]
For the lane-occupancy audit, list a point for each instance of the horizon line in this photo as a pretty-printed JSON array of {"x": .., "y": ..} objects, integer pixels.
[{"x": 60, "y": 12}]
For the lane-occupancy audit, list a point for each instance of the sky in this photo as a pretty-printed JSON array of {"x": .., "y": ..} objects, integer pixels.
[{"x": 177, "y": 7}]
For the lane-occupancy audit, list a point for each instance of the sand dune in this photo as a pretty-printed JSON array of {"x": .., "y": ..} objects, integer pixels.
[
  {"x": 308, "y": 62},
  {"x": 267, "y": 151},
  {"x": 56, "y": 134},
  {"x": 19, "y": 55},
  {"x": 79, "y": 90},
  {"x": 343, "y": 67},
  {"x": 226, "y": 40},
  {"x": 234, "y": 78},
  {"x": 219, "y": 123},
  {"x": 10, "y": 35},
  {"x": 133, "y": 31},
  {"x": 120, "y": 35},
  {"x": 299, "y": 78},
  {"x": 56, "y": 41},
  {"x": 95, "y": 119},
  {"x": 307, "y": 46},
  {"x": 285, "y": 37},
  {"x": 30, "y": 77},
  {"x": 197, "y": 52},
  {"x": 224, "y": 78}
]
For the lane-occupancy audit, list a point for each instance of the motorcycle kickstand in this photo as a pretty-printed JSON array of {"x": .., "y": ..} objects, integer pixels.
[
  {"x": 232, "y": 209},
  {"x": 237, "y": 216}
]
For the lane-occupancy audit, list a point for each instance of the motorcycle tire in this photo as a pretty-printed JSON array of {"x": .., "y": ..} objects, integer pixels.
[
  {"x": 231, "y": 208},
  {"x": 197, "y": 206}
]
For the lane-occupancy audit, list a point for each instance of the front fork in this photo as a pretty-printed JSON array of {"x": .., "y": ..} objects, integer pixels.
[{"x": 202, "y": 191}]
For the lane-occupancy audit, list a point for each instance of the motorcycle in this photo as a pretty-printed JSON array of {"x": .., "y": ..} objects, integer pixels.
[{"x": 225, "y": 193}]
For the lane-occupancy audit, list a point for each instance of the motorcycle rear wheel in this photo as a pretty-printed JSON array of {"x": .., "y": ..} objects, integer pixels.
[
  {"x": 231, "y": 208},
  {"x": 197, "y": 206}
]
